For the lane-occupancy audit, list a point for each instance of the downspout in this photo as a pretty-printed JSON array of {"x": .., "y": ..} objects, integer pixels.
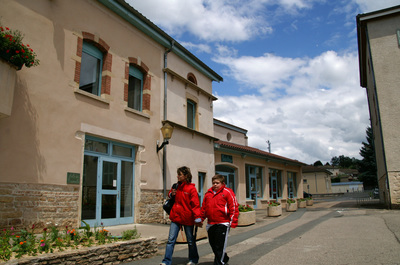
[{"x": 165, "y": 118}]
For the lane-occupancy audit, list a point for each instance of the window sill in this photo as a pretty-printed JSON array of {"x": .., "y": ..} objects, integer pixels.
[
  {"x": 130, "y": 110},
  {"x": 87, "y": 94}
]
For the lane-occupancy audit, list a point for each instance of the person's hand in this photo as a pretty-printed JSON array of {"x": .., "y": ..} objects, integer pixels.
[{"x": 173, "y": 192}]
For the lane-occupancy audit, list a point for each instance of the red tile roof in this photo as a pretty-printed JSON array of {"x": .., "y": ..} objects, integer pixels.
[{"x": 248, "y": 149}]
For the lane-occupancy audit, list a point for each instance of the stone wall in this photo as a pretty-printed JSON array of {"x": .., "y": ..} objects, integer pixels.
[
  {"x": 22, "y": 205},
  {"x": 150, "y": 207},
  {"x": 114, "y": 253}
]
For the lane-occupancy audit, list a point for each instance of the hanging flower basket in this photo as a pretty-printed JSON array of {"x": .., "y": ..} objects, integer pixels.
[{"x": 14, "y": 51}]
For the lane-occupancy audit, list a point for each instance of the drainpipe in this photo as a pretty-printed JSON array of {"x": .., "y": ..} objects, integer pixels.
[{"x": 165, "y": 118}]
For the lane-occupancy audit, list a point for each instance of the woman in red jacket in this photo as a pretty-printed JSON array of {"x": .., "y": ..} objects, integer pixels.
[
  {"x": 221, "y": 209},
  {"x": 184, "y": 214}
]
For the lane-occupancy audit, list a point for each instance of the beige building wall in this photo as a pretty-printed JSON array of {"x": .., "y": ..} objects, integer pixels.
[
  {"x": 379, "y": 68},
  {"x": 317, "y": 183},
  {"x": 43, "y": 139}
]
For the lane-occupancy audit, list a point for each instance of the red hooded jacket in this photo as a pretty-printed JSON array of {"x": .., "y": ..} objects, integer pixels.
[
  {"x": 221, "y": 207},
  {"x": 187, "y": 205}
]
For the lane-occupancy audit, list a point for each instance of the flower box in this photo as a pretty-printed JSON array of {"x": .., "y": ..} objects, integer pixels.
[
  {"x": 291, "y": 207},
  {"x": 275, "y": 210},
  {"x": 247, "y": 218},
  {"x": 8, "y": 74},
  {"x": 310, "y": 202},
  {"x": 301, "y": 204}
]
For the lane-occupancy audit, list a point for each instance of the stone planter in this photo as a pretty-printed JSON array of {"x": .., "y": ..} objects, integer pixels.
[
  {"x": 8, "y": 74},
  {"x": 310, "y": 202},
  {"x": 301, "y": 204},
  {"x": 291, "y": 207},
  {"x": 275, "y": 210},
  {"x": 247, "y": 218}
]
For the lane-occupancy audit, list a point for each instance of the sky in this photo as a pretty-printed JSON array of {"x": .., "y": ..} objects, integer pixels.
[{"x": 290, "y": 68}]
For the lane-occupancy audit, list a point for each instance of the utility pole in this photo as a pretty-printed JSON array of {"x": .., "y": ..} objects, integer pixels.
[{"x": 269, "y": 146}]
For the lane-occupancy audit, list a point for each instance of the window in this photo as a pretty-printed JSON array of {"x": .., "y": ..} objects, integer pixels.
[
  {"x": 292, "y": 184},
  {"x": 91, "y": 68},
  {"x": 135, "y": 88},
  {"x": 275, "y": 185},
  {"x": 191, "y": 114}
]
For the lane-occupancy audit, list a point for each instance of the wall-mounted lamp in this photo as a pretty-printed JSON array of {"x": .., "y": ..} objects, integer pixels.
[{"x": 166, "y": 131}]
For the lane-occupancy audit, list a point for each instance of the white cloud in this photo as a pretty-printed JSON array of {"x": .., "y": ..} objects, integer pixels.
[
  {"x": 373, "y": 5},
  {"x": 208, "y": 20},
  {"x": 323, "y": 113}
]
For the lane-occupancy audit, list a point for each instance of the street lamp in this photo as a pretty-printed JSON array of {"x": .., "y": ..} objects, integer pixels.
[{"x": 166, "y": 131}]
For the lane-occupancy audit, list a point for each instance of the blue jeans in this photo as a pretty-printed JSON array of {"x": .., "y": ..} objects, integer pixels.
[{"x": 173, "y": 235}]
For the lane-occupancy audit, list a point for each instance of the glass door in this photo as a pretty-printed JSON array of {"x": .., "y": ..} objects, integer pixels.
[
  {"x": 109, "y": 199},
  {"x": 108, "y": 183}
]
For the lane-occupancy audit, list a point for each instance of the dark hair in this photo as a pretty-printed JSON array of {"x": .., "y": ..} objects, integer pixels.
[
  {"x": 185, "y": 171},
  {"x": 219, "y": 178}
]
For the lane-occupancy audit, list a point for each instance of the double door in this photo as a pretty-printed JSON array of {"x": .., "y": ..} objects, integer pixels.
[{"x": 107, "y": 190}]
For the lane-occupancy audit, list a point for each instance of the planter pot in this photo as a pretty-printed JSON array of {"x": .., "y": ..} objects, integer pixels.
[
  {"x": 8, "y": 74},
  {"x": 291, "y": 207},
  {"x": 310, "y": 202},
  {"x": 275, "y": 210},
  {"x": 247, "y": 218},
  {"x": 301, "y": 204}
]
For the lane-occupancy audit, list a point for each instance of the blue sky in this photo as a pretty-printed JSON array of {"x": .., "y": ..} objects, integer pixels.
[{"x": 290, "y": 68}]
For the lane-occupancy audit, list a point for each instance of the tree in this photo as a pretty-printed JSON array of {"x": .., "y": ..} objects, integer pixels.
[
  {"x": 344, "y": 162},
  {"x": 367, "y": 166},
  {"x": 317, "y": 163}
]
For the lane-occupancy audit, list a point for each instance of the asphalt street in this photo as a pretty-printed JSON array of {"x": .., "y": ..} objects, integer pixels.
[{"x": 332, "y": 231}]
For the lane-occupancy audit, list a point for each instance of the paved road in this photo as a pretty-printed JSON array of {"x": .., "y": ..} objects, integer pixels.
[{"x": 330, "y": 232}]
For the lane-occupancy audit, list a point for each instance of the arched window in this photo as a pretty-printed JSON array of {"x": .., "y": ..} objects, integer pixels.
[
  {"x": 135, "y": 88},
  {"x": 192, "y": 78},
  {"x": 91, "y": 68}
]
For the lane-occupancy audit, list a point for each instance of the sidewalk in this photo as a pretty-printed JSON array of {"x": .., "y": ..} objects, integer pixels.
[{"x": 160, "y": 231}]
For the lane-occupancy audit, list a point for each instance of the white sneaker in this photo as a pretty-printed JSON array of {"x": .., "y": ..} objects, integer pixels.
[
  {"x": 163, "y": 264},
  {"x": 191, "y": 263}
]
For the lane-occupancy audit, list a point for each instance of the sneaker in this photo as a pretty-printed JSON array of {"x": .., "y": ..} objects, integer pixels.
[
  {"x": 191, "y": 263},
  {"x": 163, "y": 264}
]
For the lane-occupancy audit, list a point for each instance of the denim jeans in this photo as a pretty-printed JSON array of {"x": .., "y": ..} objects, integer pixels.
[{"x": 173, "y": 235}]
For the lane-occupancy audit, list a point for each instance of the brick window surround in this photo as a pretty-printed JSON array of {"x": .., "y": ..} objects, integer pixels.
[
  {"x": 146, "y": 81},
  {"x": 107, "y": 60}
]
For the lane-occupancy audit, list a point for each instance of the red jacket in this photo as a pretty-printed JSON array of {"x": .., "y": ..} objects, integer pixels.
[
  {"x": 221, "y": 207},
  {"x": 187, "y": 205}
]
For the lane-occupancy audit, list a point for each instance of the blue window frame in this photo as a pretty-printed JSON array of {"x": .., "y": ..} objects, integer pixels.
[
  {"x": 91, "y": 68},
  {"x": 135, "y": 88},
  {"x": 191, "y": 114}
]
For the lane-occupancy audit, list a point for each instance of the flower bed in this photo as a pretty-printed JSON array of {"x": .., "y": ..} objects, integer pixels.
[
  {"x": 113, "y": 253},
  {"x": 27, "y": 242}
]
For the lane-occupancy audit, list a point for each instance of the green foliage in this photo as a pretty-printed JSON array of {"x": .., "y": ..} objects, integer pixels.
[
  {"x": 27, "y": 242},
  {"x": 344, "y": 162},
  {"x": 367, "y": 166},
  {"x": 273, "y": 203},
  {"x": 245, "y": 208},
  {"x": 14, "y": 51},
  {"x": 317, "y": 163},
  {"x": 290, "y": 201},
  {"x": 130, "y": 234}
]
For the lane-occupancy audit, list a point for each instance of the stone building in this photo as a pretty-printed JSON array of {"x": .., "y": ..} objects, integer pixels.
[
  {"x": 81, "y": 140},
  {"x": 379, "y": 61},
  {"x": 255, "y": 176}
]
